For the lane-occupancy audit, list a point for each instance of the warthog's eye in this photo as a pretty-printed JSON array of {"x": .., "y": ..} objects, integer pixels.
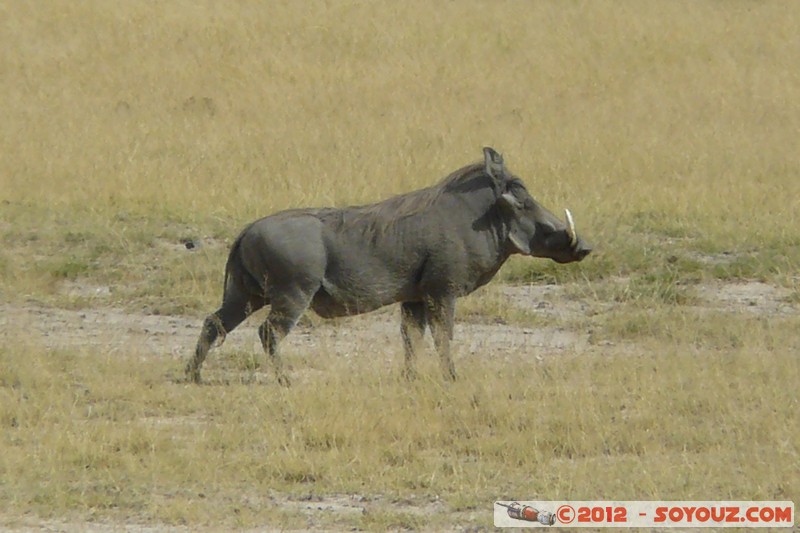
[{"x": 545, "y": 228}]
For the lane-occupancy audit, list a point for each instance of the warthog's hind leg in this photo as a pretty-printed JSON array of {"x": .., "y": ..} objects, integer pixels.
[
  {"x": 234, "y": 310},
  {"x": 412, "y": 328},
  {"x": 212, "y": 329},
  {"x": 287, "y": 307}
]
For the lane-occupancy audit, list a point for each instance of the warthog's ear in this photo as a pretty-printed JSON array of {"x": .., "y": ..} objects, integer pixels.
[
  {"x": 516, "y": 235},
  {"x": 494, "y": 164}
]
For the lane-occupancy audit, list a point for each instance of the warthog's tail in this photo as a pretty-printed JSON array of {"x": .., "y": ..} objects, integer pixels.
[
  {"x": 233, "y": 261},
  {"x": 234, "y": 251},
  {"x": 236, "y": 275}
]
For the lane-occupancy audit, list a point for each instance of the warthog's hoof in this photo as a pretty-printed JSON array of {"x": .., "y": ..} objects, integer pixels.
[
  {"x": 192, "y": 375},
  {"x": 409, "y": 374}
]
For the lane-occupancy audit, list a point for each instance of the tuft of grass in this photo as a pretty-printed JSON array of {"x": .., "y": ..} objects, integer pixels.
[
  {"x": 665, "y": 287},
  {"x": 69, "y": 268},
  {"x": 391, "y": 521},
  {"x": 491, "y": 304}
]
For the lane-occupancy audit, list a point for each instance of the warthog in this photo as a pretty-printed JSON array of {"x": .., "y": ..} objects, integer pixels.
[{"x": 423, "y": 249}]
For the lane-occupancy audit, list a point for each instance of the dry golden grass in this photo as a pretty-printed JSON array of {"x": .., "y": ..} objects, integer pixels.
[
  {"x": 88, "y": 435},
  {"x": 669, "y": 128}
]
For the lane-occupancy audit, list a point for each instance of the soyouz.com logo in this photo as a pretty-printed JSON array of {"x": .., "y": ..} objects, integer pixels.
[{"x": 643, "y": 514}]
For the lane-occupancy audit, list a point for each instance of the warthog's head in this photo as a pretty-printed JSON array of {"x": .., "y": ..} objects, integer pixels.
[{"x": 532, "y": 229}]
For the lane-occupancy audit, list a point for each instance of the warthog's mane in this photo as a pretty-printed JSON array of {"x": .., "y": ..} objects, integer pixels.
[{"x": 373, "y": 220}]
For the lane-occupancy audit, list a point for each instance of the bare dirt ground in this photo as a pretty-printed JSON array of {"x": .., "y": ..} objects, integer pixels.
[
  {"x": 116, "y": 331},
  {"x": 747, "y": 297}
]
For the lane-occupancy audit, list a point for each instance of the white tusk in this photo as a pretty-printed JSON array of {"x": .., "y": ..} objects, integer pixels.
[{"x": 573, "y": 237}]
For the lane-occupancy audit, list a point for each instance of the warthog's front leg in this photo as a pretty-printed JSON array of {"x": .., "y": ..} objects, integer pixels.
[
  {"x": 412, "y": 328},
  {"x": 441, "y": 314}
]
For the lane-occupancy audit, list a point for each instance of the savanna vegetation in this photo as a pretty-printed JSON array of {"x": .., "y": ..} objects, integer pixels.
[{"x": 130, "y": 129}]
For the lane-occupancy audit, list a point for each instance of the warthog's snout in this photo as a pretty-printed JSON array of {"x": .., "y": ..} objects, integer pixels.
[
  {"x": 582, "y": 250},
  {"x": 557, "y": 240}
]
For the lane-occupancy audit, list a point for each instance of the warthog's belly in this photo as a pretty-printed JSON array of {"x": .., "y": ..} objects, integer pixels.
[
  {"x": 330, "y": 301},
  {"x": 328, "y": 306}
]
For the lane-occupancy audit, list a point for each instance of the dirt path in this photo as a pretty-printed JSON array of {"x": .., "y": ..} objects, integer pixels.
[{"x": 114, "y": 330}]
